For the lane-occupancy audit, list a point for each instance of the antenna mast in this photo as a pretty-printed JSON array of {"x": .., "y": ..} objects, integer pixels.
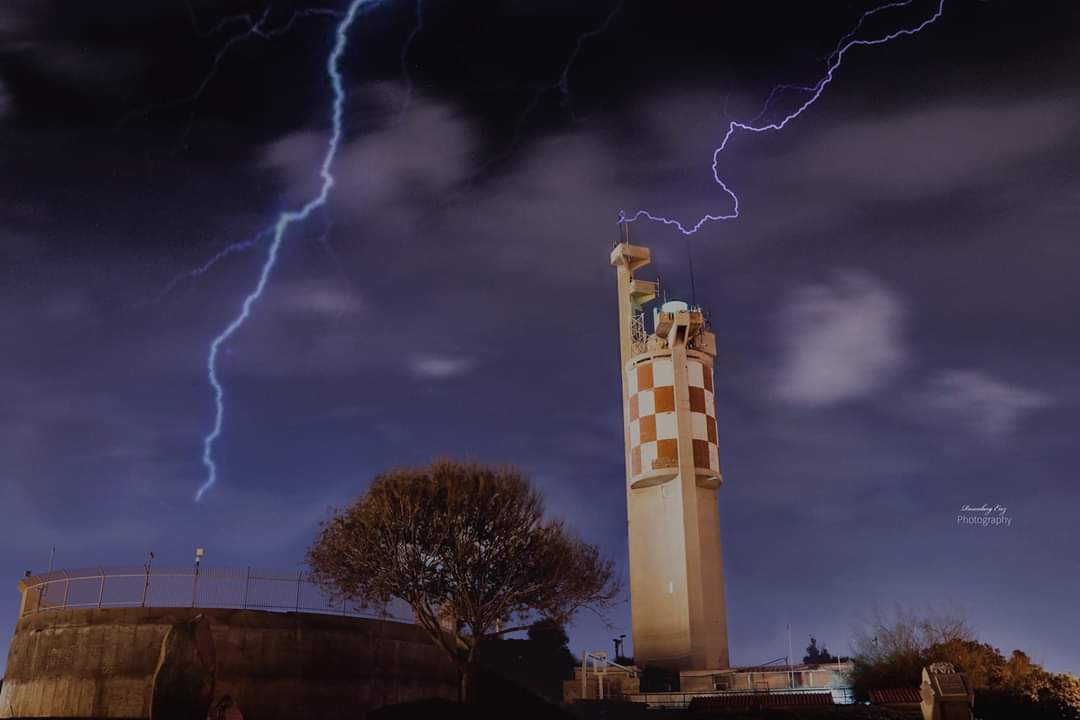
[{"x": 690, "y": 260}]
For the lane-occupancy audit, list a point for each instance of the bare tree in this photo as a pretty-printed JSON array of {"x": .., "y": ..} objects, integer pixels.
[
  {"x": 891, "y": 651},
  {"x": 468, "y": 548}
]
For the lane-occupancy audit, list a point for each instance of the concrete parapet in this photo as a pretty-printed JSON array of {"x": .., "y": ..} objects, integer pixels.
[{"x": 91, "y": 663}]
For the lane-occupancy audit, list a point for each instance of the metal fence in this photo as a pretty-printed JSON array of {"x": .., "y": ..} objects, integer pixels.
[{"x": 244, "y": 589}]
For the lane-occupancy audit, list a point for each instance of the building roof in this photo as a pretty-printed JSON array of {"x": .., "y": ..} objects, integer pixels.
[
  {"x": 893, "y": 696},
  {"x": 797, "y": 667}
]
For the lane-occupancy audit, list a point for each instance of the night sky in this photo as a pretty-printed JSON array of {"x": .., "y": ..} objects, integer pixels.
[{"x": 896, "y": 308}]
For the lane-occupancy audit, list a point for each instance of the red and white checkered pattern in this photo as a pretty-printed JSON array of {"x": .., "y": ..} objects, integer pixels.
[{"x": 652, "y": 418}]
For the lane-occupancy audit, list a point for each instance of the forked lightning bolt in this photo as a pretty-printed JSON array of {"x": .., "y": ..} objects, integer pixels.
[
  {"x": 284, "y": 222},
  {"x": 833, "y": 63}
]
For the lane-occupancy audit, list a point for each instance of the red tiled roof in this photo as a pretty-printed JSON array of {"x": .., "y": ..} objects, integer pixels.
[
  {"x": 729, "y": 700},
  {"x": 890, "y": 696}
]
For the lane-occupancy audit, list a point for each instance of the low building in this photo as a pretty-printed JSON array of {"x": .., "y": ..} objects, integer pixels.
[
  {"x": 804, "y": 677},
  {"x": 829, "y": 680}
]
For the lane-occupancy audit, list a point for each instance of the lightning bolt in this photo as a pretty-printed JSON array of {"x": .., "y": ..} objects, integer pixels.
[
  {"x": 561, "y": 85},
  {"x": 232, "y": 248},
  {"x": 833, "y": 63},
  {"x": 409, "y": 40},
  {"x": 256, "y": 27},
  {"x": 284, "y": 222}
]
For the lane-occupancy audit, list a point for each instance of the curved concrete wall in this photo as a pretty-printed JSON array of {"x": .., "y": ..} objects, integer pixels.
[{"x": 100, "y": 663}]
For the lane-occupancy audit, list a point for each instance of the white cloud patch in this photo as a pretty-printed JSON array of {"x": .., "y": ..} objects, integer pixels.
[
  {"x": 418, "y": 158},
  {"x": 323, "y": 297},
  {"x": 439, "y": 367},
  {"x": 936, "y": 150},
  {"x": 16, "y": 17},
  {"x": 841, "y": 340},
  {"x": 1067, "y": 204},
  {"x": 987, "y": 406}
]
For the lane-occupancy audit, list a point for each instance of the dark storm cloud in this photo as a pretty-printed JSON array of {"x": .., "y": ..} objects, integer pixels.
[{"x": 894, "y": 307}]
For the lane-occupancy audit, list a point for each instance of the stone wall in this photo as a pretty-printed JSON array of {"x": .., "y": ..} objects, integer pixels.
[{"x": 101, "y": 663}]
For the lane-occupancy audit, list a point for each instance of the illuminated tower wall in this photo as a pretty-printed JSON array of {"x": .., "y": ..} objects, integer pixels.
[{"x": 672, "y": 475}]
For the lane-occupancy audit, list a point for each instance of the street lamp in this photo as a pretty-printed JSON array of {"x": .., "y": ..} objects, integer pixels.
[
  {"x": 618, "y": 646},
  {"x": 199, "y": 553}
]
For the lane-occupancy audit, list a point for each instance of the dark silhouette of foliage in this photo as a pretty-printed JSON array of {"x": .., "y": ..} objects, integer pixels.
[
  {"x": 467, "y": 546},
  {"x": 816, "y": 656},
  {"x": 657, "y": 679},
  {"x": 549, "y": 633},
  {"x": 539, "y": 664}
]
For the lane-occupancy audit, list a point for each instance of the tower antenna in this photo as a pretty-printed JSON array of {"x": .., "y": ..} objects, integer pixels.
[{"x": 690, "y": 260}]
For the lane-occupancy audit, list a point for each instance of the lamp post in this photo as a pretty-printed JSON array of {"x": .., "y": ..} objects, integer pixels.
[
  {"x": 199, "y": 552},
  {"x": 618, "y": 646}
]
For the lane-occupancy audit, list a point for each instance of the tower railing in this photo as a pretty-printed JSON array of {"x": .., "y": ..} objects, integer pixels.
[
  {"x": 638, "y": 336},
  {"x": 207, "y": 587}
]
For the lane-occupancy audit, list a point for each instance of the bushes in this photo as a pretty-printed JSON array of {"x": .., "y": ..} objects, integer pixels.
[{"x": 892, "y": 654}]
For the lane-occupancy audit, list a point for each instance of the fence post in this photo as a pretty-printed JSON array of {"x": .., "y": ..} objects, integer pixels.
[
  {"x": 101, "y": 590},
  {"x": 67, "y": 588},
  {"x": 247, "y": 581},
  {"x": 299, "y": 577}
]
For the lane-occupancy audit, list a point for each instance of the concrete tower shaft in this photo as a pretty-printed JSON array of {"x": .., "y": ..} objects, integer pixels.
[{"x": 672, "y": 475}]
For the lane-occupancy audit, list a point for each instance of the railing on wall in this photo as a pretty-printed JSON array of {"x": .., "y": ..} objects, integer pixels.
[{"x": 207, "y": 587}]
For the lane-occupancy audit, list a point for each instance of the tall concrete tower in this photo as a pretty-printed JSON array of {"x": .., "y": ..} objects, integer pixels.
[{"x": 672, "y": 474}]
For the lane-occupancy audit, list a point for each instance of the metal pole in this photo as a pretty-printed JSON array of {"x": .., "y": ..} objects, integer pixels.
[
  {"x": 67, "y": 588},
  {"x": 791, "y": 671},
  {"x": 299, "y": 576},
  {"x": 146, "y": 582},
  {"x": 584, "y": 670},
  {"x": 247, "y": 580},
  {"x": 52, "y": 554},
  {"x": 101, "y": 590}
]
